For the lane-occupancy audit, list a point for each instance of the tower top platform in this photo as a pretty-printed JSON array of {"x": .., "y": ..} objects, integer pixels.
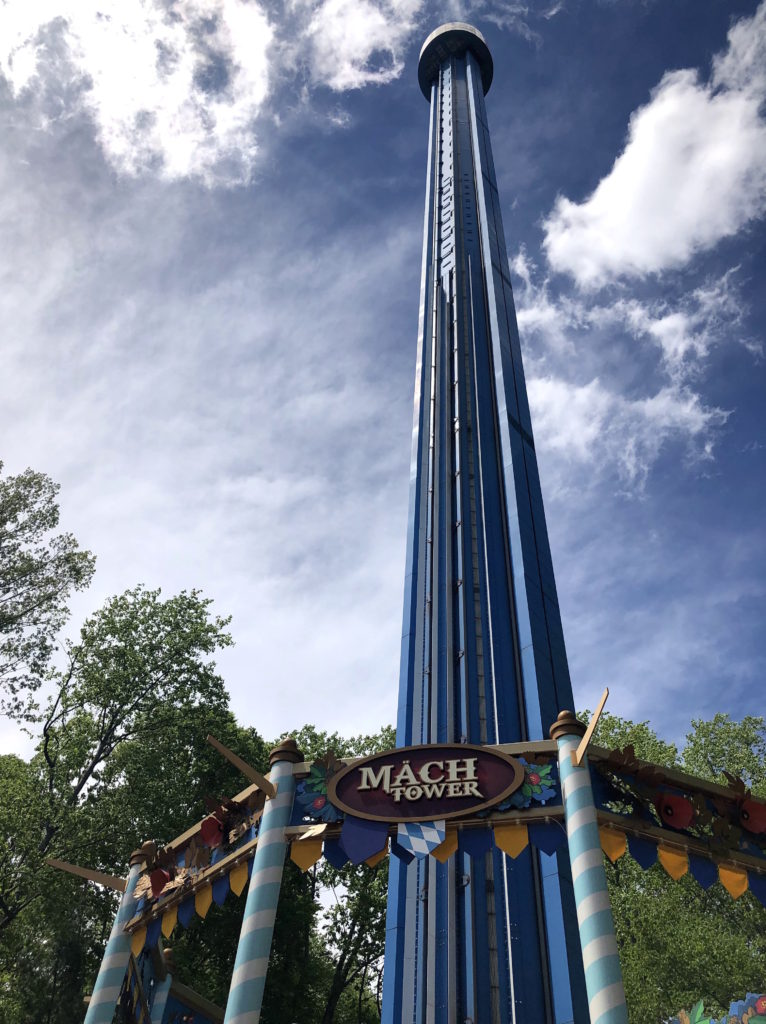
[{"x": 452, "y": 40}]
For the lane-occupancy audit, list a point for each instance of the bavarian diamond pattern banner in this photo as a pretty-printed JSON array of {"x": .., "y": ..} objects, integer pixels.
[{"x": 420, "y": 837}]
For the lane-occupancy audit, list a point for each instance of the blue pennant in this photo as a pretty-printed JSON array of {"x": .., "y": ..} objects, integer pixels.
[
  {"x": 703, "y": 869},
  {"x": 547, "y": 837},
  {"x": 398, "y": 851},
  {"x": 361, "y": 839},
  {"x": 186, "y": 912},
  {"x": 221, "y": 890},
  {"x": 476, "y": 841},
  {"x": 642, "y": 851},
  {"x": 334, "y": 853}
]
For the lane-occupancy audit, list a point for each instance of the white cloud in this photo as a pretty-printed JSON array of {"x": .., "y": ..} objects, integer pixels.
[
  {"x": 594, "y": 425},
  {"x": 693, "y": 171},
  {"x": 353, "y": 43},
  {"x": 683, "y": 331},
  {"x": 170, "y": 88},
  {"x": 621, "y": 425}
]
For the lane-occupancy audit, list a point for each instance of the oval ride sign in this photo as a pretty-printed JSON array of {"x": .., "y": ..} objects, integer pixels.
[{"x": 425, "y": 783}]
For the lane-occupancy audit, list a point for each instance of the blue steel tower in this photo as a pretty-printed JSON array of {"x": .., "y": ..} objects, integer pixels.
[{"x": 477, "y": 940}]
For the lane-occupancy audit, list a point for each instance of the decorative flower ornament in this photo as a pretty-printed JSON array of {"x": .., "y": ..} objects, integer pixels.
[
  {"x": 676, "y": 811},
  {"x": 311, "y": 795},
  {"x": 538, "y": 786},
  {"x": 752, "y": 816}
]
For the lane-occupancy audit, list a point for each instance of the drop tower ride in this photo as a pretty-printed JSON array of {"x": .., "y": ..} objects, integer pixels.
[{"x": 478, "y": 939}]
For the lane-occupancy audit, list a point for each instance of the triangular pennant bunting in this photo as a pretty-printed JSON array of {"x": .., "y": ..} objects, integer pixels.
[
  {"x": 398, "y": 851},
  {"x": 547, "y": 837},
  {"x": 137, "y": 941},
  {"x": 238, "y": 878},
  {"x": 613, "y": 842},
  {"x": 186, "y": 912},
  {"x": 758, "y": 886},
  {"x": 153, "y": 933},
  {"x": 376, "y": 858},
  {"x": 675, "y": 862},
  {"x": 306, "y": 853},
  {"x": 703, "y": 870},
  {"x": 361, "y": 839},
  {"x": 642, "y": 851},
  {"x": 475, "y": 841},
  {"x": 334, "y": 853},
  {"x": 220, "y": 890},
  {"x": 169, "y": 919},
  {"x": 512, "y": 839},
  {"x": 444, "y": 851},
  {"x": 202, "y": 900},
  {"x": 420, "y": 837},
  {"x": 734, "y": 880}
]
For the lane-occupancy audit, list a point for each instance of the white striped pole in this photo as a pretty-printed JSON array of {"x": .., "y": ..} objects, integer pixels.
[
  {"x": 111, "y": 973},
  {"x": 603, "y": 977},
  {"x": 249, "y": 978},
  {"x": 162, "y": 989}
]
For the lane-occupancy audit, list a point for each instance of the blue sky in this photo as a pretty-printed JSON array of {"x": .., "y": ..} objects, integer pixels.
[{"x": 211, "y": 214}]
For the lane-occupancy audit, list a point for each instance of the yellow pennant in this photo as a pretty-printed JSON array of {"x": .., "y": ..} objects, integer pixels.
[
  {"x": 306, "y": 852},
  {"x": 238, "y": 878},
  {"x": 734, "y": 880},
  {"x": 169, "y": 919},
  {"x": 613, "y": 842},
  {"x": 137, "y": 941},
  {"x": 511, "y": 839},
  {"x": 675, "y": 862},
  {"x": 444, "y": 850},
  {"x": 377, "y": 857},
  {"x": 202, "y": 899}
]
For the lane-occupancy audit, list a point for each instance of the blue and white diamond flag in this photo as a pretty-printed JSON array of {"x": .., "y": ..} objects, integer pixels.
[{"x": 420, "y": 837}]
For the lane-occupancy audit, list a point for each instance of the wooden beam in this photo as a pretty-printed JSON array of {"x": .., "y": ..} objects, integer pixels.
[
  {"x": 682, "y": 780},
  {"x": 250, "y": 773},
  {"x": 579, "y": 754},
  {"x": 110, "y": 881}
]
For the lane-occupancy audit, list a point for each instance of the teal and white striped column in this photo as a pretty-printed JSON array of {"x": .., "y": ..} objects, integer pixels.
[
  {"x": 603, "y": 977},
  {"x": 111, "y": 973},
  {"x": 162, "y": 989},
  {"x": 249, "y": 978}
]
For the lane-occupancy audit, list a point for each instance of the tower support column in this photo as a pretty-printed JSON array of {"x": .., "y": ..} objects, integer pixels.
[
  {"x": 603, "y": 977},
  {"x": 482, "y": 939},
  {"x": 111, "y": 973},
  {"x": 248, "y": 981}
]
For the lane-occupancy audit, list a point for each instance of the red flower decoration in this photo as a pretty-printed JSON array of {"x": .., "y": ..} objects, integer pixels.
[
  {"x": 211, "y": 831},
  {"x": 752, "y": 816},
  {"x": 675, "y": 811},
  {"x": 319, "y": 802},
  {"x": 534, "y": 778},
  {"x": 159, "y": 879},
  {"x": 760, "y": 1004}
]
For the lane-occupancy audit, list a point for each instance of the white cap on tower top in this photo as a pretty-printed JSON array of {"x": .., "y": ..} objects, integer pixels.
[{"x": 452, "y": 40}]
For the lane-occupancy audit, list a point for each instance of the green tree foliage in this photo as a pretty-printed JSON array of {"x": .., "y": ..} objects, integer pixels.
[
  {"x": 354, "y": 927},
  {"x": 39, "y": 569},
  {"x": 122, "y": 758},
  {"x": 679, "y": 943}
]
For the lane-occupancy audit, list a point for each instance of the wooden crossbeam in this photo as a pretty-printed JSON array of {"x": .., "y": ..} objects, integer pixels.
[
  {"x": 250, "y": 773},
  {"x": 579, "y": 754},
  {"x": 110, "y": 881}
]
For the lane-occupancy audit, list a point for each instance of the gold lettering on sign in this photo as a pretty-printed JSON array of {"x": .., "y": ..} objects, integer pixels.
[
  {"x": 405, "y": 776},
  {"x": 435, "y": 779},
  {"x": 372, "y": 781},
  {"x": 423, "y": 773},
  {"x": 467, "y": 766}
]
